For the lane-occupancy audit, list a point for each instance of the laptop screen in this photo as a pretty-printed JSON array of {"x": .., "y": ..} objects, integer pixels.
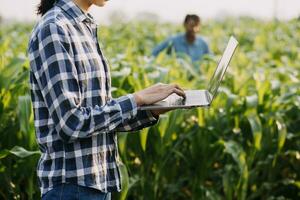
[{"x": 222, "y": 66}]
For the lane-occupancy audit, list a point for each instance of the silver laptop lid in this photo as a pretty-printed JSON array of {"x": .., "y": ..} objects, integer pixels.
[{"x": 218, "y": 75}]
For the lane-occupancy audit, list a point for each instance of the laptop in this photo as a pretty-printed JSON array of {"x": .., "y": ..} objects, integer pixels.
[{"x": 199, "y": 98}]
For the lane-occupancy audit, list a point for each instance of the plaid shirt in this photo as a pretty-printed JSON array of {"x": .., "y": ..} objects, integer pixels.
[{"x": 75, "y": 117}]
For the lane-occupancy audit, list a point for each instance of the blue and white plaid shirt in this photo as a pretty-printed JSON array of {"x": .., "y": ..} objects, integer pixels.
[{"x": 75, "y": 117}]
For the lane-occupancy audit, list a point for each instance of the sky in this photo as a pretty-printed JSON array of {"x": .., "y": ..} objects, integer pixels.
[{"x": 168, "y": 10}]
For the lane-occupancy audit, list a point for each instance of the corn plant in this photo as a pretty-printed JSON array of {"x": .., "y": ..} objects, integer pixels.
[{"x": 245, "y": 146}]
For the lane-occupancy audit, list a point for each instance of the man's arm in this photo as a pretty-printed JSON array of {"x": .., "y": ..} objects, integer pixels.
[
  {"x": 159, "y": 48},
  {"x": 206, "y": 47}
]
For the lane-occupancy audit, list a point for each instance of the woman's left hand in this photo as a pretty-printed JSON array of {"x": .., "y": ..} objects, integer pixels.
[{"x": 158, "y": 112}]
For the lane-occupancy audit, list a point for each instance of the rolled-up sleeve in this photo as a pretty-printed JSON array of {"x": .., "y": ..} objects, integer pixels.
[{"x": 57, "y": 78}]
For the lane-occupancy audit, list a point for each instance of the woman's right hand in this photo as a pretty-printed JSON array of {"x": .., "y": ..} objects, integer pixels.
[{"x": 157, "y": 93}]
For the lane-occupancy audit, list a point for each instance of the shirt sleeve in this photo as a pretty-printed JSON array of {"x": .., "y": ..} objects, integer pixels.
[
  {"x": 142, "y": 120},
  {"x": 207, "y": 51},
  {"x": 206, "y": 47},
  {"x": 159, "y": 48},
  {"x": 58, "y": 81}
]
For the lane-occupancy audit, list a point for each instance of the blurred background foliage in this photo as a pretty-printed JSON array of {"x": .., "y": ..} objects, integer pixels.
[{"x": 246, "y": 146}]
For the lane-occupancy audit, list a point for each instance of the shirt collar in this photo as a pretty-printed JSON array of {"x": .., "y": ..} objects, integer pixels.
[{"x": 75, "y": 12}]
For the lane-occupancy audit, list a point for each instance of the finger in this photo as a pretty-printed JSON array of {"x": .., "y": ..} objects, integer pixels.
[
  {"x": 179, "y": 92},
  {"x": 173, "y": 88},
  {"x": 164, "y": 110},
  {"x": 170, "y": 89},
  {"x": 177, "y": 86}
]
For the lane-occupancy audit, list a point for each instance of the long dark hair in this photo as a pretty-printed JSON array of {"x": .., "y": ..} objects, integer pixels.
[{"x": 44, "y": 6}]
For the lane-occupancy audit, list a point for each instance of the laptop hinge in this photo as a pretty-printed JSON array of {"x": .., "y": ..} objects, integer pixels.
[{"x": 208, "y": 98}]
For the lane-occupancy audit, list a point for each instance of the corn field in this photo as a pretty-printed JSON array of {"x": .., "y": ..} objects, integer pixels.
[{"x": 246, "y": 146}]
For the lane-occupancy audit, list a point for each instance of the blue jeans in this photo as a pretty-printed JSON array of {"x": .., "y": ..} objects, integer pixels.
[{"x": 75, "y": 192}]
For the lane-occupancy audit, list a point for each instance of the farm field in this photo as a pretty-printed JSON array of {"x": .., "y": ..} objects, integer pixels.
[{"x": 245, "y": 147}]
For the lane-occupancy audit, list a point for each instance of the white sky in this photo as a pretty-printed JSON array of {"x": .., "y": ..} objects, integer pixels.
[{"x": 168, "y": 10}]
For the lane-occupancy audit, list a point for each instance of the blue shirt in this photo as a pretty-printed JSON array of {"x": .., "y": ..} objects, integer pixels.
[
  {"x": 75, "y": 116},
  {"x": 195, "y": 51}
]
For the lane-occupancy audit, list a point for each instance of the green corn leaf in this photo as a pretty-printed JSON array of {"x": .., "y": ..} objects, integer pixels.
[
  {"x": 18, "y": 151},
  {"x": 291, "y": 182},
  {"x": 252, "y": 101},
  {"x": 4, "y": 153},
  {"x": 228, "y": 182},
  {"x": 24, "y": 110},
  {"x": 201, "y": 117},
  {"x": 282, "y": 133},
  {"x": 239, "y": 156},
  {"x": 125, "y": 181},
  {"x": 22, "y": 153},
  {"x": 163, "y": 125},
  {"x": 143, "y": 138},
  {"x": 237, "y": 153},
  {"x": 256, "y": 130},
  {"x": 263, "y": 90},
  {"x": 122, "y": 138}
]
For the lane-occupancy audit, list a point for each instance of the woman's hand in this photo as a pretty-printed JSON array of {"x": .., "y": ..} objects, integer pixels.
[
  {"x": 157, "y": 93},
  {"x": 158, "y": 112}
]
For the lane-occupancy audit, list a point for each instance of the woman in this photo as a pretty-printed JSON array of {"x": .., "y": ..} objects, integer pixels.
[{"x": 76, "y": 119}]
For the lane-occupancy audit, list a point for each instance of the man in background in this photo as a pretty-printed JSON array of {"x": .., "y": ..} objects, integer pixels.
[{"x": 188, "y": 43}]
